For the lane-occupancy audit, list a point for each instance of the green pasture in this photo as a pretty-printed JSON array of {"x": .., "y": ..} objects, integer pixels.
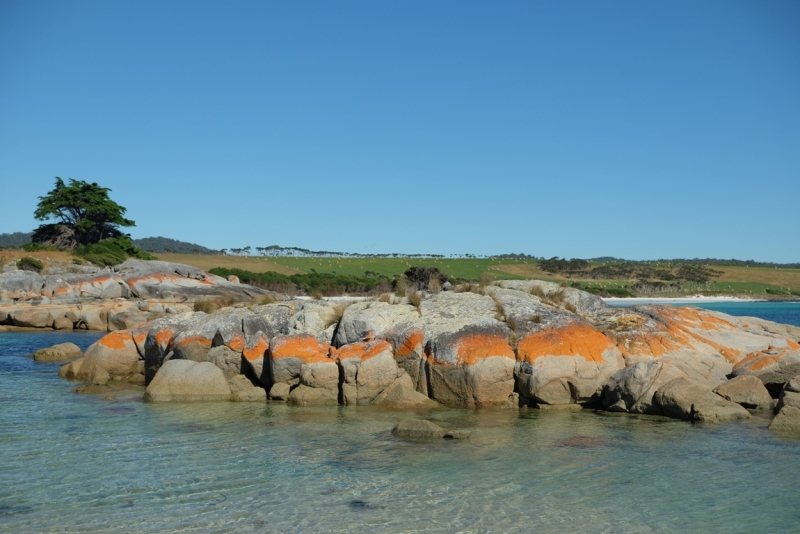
[{"x": 461, "y": 268}]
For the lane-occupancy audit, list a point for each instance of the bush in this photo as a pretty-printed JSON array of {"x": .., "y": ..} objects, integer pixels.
[
  {"x": 30, "y": 264},
  {"x": 112, "y": 251},
  {"x": 421, "y": 277},
  {"x": 320, "y": 284}
]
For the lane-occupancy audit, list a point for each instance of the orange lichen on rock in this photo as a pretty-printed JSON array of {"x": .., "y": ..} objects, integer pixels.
[
  {"x": 410, "y": 344},
  {"x": 303, "y": 347},
  {"x": 761, "y": 359},
  {"x": 473, "y": 348},
  {"x": 116, "y": 340},
  {"x": 680, "y": 330},
  {"x": 140, "y": 335},
  {"x": 200, "y": 340},
  {"x": 237, "y": 343},
  {"x": 362, "y": 351},
  {"x": 572, "y": 340},
  {"x": 164, "y": 336},
  {"x": 257, "y": 351}
]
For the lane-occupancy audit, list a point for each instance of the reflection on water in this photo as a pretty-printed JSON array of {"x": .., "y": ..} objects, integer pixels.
[{"x": 79, "y": 463}]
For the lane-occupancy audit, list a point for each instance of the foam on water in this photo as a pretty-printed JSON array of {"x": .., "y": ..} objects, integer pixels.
[{"x": 77, "y": 463}]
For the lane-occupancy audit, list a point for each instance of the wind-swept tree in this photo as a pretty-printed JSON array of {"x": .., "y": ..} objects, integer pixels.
[{"x": 84, "y": 214}]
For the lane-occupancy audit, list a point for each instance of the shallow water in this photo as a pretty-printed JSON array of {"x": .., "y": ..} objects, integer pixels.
[{"x": 78, "y": 463}]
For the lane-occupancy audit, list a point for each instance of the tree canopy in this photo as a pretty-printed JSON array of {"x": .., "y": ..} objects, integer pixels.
[{"x": 84, "y": 213}]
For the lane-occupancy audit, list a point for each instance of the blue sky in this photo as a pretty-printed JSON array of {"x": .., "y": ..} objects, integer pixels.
[{"x": 578, "y": 129}]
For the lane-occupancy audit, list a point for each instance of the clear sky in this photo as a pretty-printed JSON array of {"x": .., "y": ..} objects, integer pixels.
[{"x": 578, "y": 129}]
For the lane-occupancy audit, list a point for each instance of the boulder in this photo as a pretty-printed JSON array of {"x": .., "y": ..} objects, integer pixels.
[
  {"x": 287, "y": 356},
  {"x": 632, "y": 389},
  {"x": 319, "y": 383},
  {"x": 58, "y": 353},
  {"x": 748, "y": 391},
  {"x": 787, "y": 421},
  {"x": 399, "y": 324},
  {"x": 115, "y": 352},
  {"x": 775, "y": 365},
  {"x": 158, "y": 344},
  {"x": 243, "y": 390},
  {"x": 470, "y": 362},
  {"x": 418, "y": 429},
  {"x": 402, "y": 395},
  {"x": 790, "y": 394},
  {"x": 99, "y": 376},
  {"x": 188, "y": 381},
  {"x": 565, "y": 365},
  {"x": 32, "y": 317},
  {"x": 71, "y": 370},
  {"x": 226, "y": 359},
  {"x": 368, "y": 369},
  {"x": 316, "y": 318},
  {"x": 682, "y": 399},
  {"x": 62, "y": 323}
]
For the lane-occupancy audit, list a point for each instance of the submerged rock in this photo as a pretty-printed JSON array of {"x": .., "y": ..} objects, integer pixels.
[{"x": 58, "y": 353}]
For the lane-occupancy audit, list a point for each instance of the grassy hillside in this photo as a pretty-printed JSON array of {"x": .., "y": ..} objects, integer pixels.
[{"x": 748, "y": 281}]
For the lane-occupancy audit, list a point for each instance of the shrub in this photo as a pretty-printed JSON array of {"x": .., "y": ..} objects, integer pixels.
[
  {"x": 421, "y": 277},
  {"x": 267, "y": 299},
  {"x": 30, "y": 264},
  {"x": 112, "y": 251},
  {"x": 77, "y": 261}
]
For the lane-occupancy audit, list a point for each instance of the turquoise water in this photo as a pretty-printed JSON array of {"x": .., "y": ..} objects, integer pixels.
[
  {"x": 780, "y": 312},
  {"x": 110, "y": 463}
]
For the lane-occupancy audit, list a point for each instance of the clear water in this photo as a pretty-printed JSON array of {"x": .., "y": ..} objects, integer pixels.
[{"x": 78, "y": 463}]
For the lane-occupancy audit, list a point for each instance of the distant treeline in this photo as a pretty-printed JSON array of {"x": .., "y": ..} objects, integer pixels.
[
  {"x": 702, "y": 261},
  {"x": 15, "y": 240},
  {"x": 161, "y": 245},
  {"x": 680, "y": 272}
]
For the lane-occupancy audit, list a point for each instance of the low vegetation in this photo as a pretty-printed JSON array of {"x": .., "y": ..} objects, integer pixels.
[
  {"x": 111, "y": 251},
  {"x": 210, "y": 305},
  {"x": 30, "y": 264}
]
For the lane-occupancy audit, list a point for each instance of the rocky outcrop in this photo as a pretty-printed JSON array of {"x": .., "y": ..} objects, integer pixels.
[
  {"x": 774, "y": 365},
  {"x": 525, "y": 343},
  {"x": 117, "y": 298}
]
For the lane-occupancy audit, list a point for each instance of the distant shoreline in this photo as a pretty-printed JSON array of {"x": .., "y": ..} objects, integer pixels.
[{"x": 681, "y": 300}]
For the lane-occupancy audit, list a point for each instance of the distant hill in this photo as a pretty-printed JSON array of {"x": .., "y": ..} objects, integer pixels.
[
  {"x": 162, "y": 245},
  {"x": 16, "y": 239}
]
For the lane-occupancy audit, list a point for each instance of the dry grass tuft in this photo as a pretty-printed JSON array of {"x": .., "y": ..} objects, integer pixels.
[
  {"x": 336, "y": 313},
  {"x": 211, "y": 305},
  {"x": 570, "y": 307},
  {"x": 317, "y": 295},
  {"x": 485, "y": 280},
  {"x": 512, "y": 323},
  {"x": 557, "y": 297},
  {"x": 267, "y": 299},
  {"x": 401, "y": 288},
  {"x": 537, "y": 291},
  {"x": 536, "y": 318},
  {"x": 415, "y": 299},
  {"x": 434, "y": 286},
  {"x": 385, "y": 297}
]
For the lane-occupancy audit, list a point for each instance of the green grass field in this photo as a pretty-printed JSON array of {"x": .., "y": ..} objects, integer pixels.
[{"x": 754, "y": 282}]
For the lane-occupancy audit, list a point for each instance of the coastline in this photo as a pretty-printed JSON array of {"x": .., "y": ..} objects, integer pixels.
[{"x": 677, "y": 300}]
